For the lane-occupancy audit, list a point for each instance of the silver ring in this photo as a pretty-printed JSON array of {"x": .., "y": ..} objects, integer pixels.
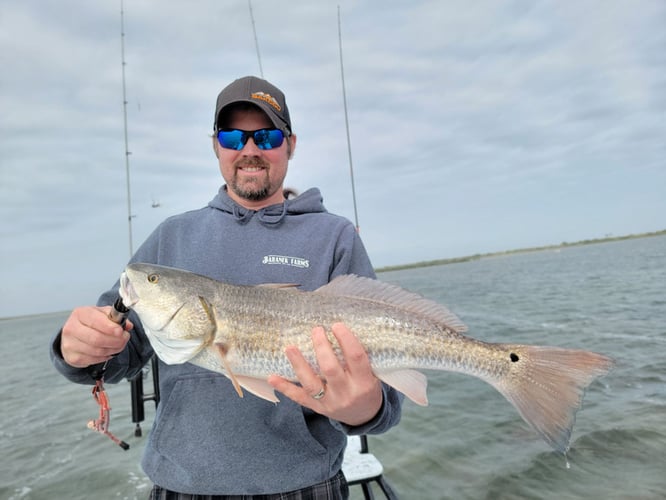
[{"x": 320, "y": 394}]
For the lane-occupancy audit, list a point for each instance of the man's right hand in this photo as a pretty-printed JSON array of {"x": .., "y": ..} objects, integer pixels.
[{"x": 90, "y": 337}]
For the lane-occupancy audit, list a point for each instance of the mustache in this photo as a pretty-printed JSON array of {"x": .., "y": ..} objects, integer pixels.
[{"x": 252, "y": 162}]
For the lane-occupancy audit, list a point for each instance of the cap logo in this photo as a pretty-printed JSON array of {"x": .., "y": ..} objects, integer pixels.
[{"x": 267, "y": 98}]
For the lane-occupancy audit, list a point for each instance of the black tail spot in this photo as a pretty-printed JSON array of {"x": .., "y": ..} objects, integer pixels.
[{"x": 514, "y": 357}]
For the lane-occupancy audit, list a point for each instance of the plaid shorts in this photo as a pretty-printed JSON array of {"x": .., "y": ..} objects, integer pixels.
[{"x": 335, "y": 488}]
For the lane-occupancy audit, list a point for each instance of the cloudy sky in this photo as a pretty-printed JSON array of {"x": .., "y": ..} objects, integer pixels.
[{"x": 475, "y": 126}]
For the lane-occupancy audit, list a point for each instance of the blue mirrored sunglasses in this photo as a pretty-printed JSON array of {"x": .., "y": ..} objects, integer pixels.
[{"x": 265, "y": 138}]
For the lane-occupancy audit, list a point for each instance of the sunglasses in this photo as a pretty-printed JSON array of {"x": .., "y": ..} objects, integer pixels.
[{"x": 265, "y": 138}]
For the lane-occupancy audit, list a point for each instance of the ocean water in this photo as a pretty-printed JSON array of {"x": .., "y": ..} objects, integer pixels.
[{"x": 468, "y": 444}]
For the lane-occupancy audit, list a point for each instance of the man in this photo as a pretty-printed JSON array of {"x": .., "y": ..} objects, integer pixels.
[{"x": 205, "y": 439}]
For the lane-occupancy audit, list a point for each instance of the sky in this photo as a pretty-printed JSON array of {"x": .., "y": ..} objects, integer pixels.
[{"x": 475, "y": 126}]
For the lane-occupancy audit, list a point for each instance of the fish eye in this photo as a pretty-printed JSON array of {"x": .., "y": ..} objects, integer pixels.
[{"x": 153, "y": 278}]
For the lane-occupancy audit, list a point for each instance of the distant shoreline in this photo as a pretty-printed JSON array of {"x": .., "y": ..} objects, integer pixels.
[
  {"x": 478, "y": 256},
  {"x": 33, "y": 315}
]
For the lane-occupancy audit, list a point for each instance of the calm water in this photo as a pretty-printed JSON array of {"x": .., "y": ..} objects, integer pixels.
[{"x": 469, "y": 443}]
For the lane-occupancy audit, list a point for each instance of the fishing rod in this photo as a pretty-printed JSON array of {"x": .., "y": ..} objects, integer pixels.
[
  {"x": 119, "y": 312},
  {"x": 127, "y": 152},
  {"x": 138, "y": 397},
  {"x": 344, "y": 100},
  {"x": 256, "y": 40}
]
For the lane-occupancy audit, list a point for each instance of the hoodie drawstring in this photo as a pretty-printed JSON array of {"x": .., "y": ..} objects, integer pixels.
[
  {"x": 240, "y": 214},
  {"x": 271, "y": 216},
  {"x": 267, "y": 216}
]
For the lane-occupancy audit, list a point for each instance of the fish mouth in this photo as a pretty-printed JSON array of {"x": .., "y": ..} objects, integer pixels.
[{"x": 127, "y": 292}]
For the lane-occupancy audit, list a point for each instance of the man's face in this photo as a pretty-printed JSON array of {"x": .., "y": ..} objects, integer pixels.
[{"x": 254, "y": 176}]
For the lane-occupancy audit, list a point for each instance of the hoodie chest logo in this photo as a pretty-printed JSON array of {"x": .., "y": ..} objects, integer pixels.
[{"x": 285, "y": 260}]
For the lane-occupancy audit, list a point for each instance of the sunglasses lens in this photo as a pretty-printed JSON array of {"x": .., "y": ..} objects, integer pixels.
[
  {"x": 265, "y": 138},
  {"x": 268, "y": 138},
  {"x": 232, "y": 139}
]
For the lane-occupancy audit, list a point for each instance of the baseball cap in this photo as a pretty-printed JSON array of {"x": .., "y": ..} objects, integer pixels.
[{"x": 259, "y": 92}]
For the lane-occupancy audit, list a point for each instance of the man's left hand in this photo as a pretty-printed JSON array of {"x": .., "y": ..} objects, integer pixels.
[{"x": 347, "y": 392}]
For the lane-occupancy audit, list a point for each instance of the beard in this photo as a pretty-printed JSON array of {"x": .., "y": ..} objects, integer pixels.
[{"x": 254, "y": 189}]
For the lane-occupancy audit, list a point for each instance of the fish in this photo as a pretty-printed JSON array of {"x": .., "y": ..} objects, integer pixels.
[{"x": 242, "y": 331}]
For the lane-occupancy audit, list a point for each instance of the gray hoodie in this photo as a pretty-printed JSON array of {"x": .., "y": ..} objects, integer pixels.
[{"x": 205, "y": 439}]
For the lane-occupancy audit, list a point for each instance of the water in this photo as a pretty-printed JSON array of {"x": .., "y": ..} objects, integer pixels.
[{"x": 469, "y": 443}]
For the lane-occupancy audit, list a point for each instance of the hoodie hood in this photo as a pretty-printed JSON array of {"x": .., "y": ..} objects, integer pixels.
[{"x": 310, "y": 201}]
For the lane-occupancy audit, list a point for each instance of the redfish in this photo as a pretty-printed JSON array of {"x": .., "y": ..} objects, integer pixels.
[{"x": 242, "y": 332}]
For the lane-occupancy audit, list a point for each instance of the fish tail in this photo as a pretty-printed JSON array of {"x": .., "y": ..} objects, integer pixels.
[{"x": 547, "y": 385}]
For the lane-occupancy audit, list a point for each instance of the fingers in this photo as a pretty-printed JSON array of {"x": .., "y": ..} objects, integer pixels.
[
  {"x": 90, "y": 337},
  {"x": 294, "y": 392},
  {"x": 357, "y": 361},
  {"x": 311, "y": 382},
  {"x": 330, "y": 366}
]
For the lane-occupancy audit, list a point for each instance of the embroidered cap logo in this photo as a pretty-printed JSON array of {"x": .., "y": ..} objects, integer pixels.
[{"x": 267, "y": 98}]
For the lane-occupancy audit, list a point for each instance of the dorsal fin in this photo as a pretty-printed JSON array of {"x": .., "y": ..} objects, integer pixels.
[{"x": 350, "y": 285}]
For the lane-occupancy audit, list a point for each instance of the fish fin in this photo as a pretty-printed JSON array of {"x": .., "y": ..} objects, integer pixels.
[
  {"x": 411, "y": 383},
  {"x": 350, "y": 285},
  {"x": 222, "y": 351},
  {"x": 259, "y": 387},
  {"x": 547, "y": 384}
]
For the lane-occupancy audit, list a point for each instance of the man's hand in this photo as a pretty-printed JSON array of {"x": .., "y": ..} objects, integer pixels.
[
  {"x": 351, "y": 393},
  {"x": 89, "y": 337}
]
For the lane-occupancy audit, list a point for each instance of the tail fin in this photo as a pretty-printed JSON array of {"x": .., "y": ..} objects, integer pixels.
[{"x": 547, "y": 384}]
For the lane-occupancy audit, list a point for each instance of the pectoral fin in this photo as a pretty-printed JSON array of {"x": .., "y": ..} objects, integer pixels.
[
  {"x": 411, "y": 383},
  {"x": 259, "y": 387},
  {"x": 222, "y": 351}
]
